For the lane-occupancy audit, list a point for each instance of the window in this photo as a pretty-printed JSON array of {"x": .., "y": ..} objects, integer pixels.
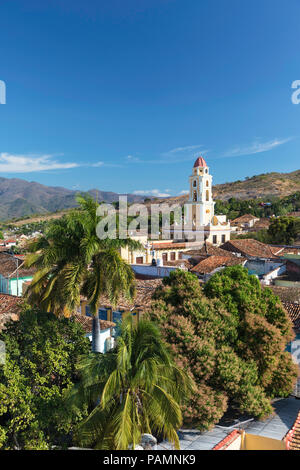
[
  {"x": 195, "y": 183},
  {"x": 207, "y": 195},
  {"x": 207, "y": 183},
  {"x": 195, "y": 196},
  {"x": 214, "y": 239},
  {"x": 223, "y": 238},
  {"x": 165, "y": 257},
  {"x": 173, "y": 256},
  {"x": 139, "y": 260}
]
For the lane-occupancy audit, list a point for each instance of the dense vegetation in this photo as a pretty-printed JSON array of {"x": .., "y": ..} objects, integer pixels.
[
  {"x": 41, "y": 353},
  {"x": 234, "y": 208},
  {"x": 133, "y": 389},
  {"x": 231, "y": 338}
]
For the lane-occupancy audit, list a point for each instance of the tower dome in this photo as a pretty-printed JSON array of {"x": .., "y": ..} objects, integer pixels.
[{"x": 200, "y": 162}]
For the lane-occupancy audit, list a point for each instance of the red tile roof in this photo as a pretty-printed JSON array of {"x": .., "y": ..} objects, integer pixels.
[
  {"x": 249, "y": 247},
  {"x": 144, "y": 292},
  {"x": 9, "y": 263},
  {"x": 168, "y": 246},
  {"x": 213, "y": 262},
  {"x": 292, "y": 438},
  {"x": 209, "y": 249},
  {"x": 87, "y": 322},
  {"x": 293, "y": 310},
  {"x": 200, "y": 162},
  {"x": 244, "y": 219},
  {"x": 294, "y": 214},
  {"x": 222, "y": 445},
  {"x": 9, "y": 308}
]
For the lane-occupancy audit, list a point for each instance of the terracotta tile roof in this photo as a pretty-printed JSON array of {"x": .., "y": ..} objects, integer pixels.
[
  {"x": 200, "y": 162},
  {"x": 276, "y": 250},
  {"x": 144, "y": 291},
  {"x": 222, "y": 445},
  {"x": 87, "y": 322},
  {"x": 209, "y": 249},
  {"x": 211, "y": 263},
  {"x": 289, "y": 251},
  {"x": 292, "y": 438},
  {"x": 249, "y": 247},
  {"x": 286, "y": 294},
  {"x": 168, "y": 246},
  {"x": 8, "y": 266},
  {"x": 9, "y": 308},
  {"x": 294, "y": 214},
  {"x": 293, "y": 310},
  {"x": 260, "y": 224},
  {"x": 180, "y": 263},
  {"x": 243, "y": 219}
]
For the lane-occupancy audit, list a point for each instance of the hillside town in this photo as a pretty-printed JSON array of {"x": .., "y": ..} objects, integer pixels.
[
  {"x": 149, "y": 231},
  {"x": 214, "y": 249}
]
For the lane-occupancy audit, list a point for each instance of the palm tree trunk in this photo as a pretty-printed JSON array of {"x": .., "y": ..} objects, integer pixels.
[{"x": 96, "y": 347}]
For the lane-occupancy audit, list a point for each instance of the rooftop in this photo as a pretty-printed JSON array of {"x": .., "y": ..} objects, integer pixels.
[
  {"x": 9, "y": 264},
  {"x": 293, "y": 310},
  {"x": 244, "y": 219},
  {"x": 9, "y": 308},
  {"x": 274, "y": 427},
  {"x": 213, "y": 262},
  {"x": 249, "y": 247},
  {"x": 200, "y": 162},
  {"x": 87, "y": 322},
  {"x": 292, "y": 438},
  {"x": 209, "y": 249},
  {"x": 144, "y": 291}
]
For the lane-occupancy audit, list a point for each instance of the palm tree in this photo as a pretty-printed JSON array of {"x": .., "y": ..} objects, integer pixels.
[
  {"x": 72, "y": 261},
  {"x": 140, "y": 390}
]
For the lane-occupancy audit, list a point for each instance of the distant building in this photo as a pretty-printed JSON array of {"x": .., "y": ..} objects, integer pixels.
[
  {"x": 13, "y": 274},
  {"x": 245, "y": 222}
]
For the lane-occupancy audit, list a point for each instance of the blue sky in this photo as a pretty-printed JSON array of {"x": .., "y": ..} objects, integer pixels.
[{"x": 122, "y": 95}]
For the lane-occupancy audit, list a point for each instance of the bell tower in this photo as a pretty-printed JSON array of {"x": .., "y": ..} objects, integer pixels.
[{"x": 201, "y": 204}]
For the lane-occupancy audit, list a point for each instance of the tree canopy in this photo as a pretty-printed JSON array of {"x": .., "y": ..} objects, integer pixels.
[
  {"x": 133, "y": 389},
  {"x": 41, "y": 353},
  {"x": 231, "y": 338}
]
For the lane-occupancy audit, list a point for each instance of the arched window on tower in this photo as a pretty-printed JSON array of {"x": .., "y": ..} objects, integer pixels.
[
  {"x": 195, "y": 183},
  {"x": 207, "y": 195},
  {"x": 207, "y": 183},
  {"x": 195, "y": 196}
]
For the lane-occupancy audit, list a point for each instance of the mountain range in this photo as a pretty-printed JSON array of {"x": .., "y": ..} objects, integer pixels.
[{"x": 20, "y": 198}]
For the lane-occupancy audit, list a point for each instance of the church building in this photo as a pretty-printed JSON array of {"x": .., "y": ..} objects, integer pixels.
[{"x": 200, "y": 221}]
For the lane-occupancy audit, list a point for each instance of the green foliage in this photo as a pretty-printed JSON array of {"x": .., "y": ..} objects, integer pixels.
[
  {"x": 136, "y": 388},
  {"x": 234, "y": 207},
  {"x": 41, "y": 353},
  {"x": 231, "y": 339},
  {"x": 71, "y": 260},
  {"x": 284, "y": 230}
]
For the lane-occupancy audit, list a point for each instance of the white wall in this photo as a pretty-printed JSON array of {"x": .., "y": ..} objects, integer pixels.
[
  {"x": 155, "y": 271},
  {"x": 104, "y": 334}
]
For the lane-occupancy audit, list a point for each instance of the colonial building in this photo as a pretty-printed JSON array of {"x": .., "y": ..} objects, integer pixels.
[{"x": 200, "y": 221}]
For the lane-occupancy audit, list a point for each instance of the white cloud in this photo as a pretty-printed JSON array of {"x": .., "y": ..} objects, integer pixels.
[
  {"x": 97, "y": 164},
  {"x": 132, "y": 159},
  {"x": 188, "y": 148},
  {"x": 184, "y": 191},
  {"x": 10, "y": 163},
  {"x": 255, "y": 147},
  {"x": 151, "y": 192},
  {"x": 103, "y": 164}
]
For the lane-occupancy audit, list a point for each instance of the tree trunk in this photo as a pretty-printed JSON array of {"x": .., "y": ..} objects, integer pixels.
[{"x": 96, "y": 334}]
